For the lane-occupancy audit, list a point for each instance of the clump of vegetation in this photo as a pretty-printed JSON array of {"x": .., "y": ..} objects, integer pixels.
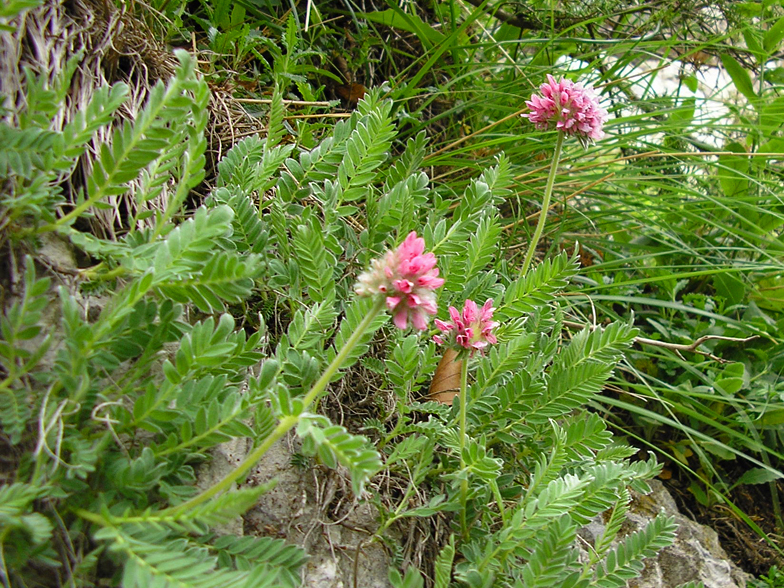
[{"x": 219, "y": 291}]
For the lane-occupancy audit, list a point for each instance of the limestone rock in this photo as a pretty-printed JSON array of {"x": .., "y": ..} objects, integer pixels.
[
  {"x": 224, "y": 458},
  {"x": 339, "y": 547},
  {"x": 695, "y": 556},
  {"x": 296, "y": 509}
]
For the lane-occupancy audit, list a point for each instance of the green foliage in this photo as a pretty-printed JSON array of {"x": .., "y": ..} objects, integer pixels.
[
  {"x": 773, "y": 579},
  {"x": 217, "y": 320},
  {"x": 133, "y": 399},
  {"x": 333, "y": 444},
  {"x": 18, "y": 325}
]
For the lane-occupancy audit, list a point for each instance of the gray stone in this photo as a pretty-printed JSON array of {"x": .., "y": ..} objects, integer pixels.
[
  {"x": 341, "y": 551},
  {"x": 224, "y": 458},
  {"x": 695, "y": 556}
]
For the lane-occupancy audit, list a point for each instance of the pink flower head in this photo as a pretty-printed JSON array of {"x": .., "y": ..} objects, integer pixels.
[
  {"x": 569, "y": 107},
  {"x": 408, "y": 277},
  {"x": 473, "y": 330}
]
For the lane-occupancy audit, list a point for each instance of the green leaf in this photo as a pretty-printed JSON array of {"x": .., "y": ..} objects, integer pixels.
[
  {"x": 10, "y": 8},
  {"x": 411, "y": 23},
  {"x": 538, "y": 286},
  {"x": 315, "y": 262},
  {"x": 734, "y": 171},
  {"x": 731, "y": 379},
  {"x": 16, "y": 512},
  {"x": 366, "y": 149},
  {"x": 275, "y": 126},
  {"x": 412, "y": 579},
  {"x": 553, "y": 556},
  {"x": 334, "y": 445},
  {"x": 753, "y": 39},
  {"x": 285, "y": 560},
  {"x": 355, "y": 313},
  {"x": 773, "y": 146},
  {"x": 730, "y": 287},
  {"x": 15, "y": 412},
  {"x": 773, "y": 418},
  {"x": 684, "y": 114},
  {"x": 772, "y": 117},
  {"x": 740, "y": 77},
  {"x": 758, "y": 476},
  {"x": 153, "y": 558},
  {"x": 773, "y": 36},
  {"x": 625, "y": 561},
  {"x": 443, "y": 565},
  {"x": 25, "y": 151}
]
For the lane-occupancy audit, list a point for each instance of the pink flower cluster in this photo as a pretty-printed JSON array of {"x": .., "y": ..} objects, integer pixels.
[
  {"x": 408, "y": 277},
  {"x": 473, "y": 330},
  {"x": 569, "y": 107}
]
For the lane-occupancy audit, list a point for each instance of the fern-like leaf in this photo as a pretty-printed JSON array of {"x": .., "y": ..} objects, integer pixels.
[
  {"x": 585, "y": 436},
  {"x": 366, "y": 149},
  {"x": 334, "y": 445},
  {"x": 498, "y": 366},
  {"x": 484, "y": 193},
  {"x": 25, "y": 151},
  {"x": 603, "y": 344},
  {"x": 569, "y": 389},
  {"x": 408, "y": 163},
  {"x": 17, "y": 512},
  {"x": 443, "y": 565},
  {"x": 19, "y": 324},
  {"x": 355, "y": 313},
  {"x": 225, "y": 277},
  {"x": 625, "y": 561},
  {"x": 275, "y": 124},
  {"x": 250, "y": 234},
  {"x": 99, "y": 113},
  {"x": 478, "y": 252},
  {"x": 311, "y": 327},
  {"x": 215, "y": 512},
  {"x": 316, "y": 263},
  {"x": 553, "y": 556},
  {"x": 612, "y": 526},
  {"x": 283, "y": 559},
  {"x": 136, "y": 145},
  {"x": 152, "y": 558},
  {"x": 238, "y": 166},
  {"x": 538, "y": 286},
  {"x": 558, "y": 496}
]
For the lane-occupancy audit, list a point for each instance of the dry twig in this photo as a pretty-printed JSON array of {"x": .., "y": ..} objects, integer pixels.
[{"x": 679, "y": 347}]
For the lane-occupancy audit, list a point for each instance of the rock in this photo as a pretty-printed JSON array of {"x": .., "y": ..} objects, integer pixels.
[
  {"x": 695, "y": 556},
  {"x": 224, "y": 458},
  {"x": 341, "y": 554}
]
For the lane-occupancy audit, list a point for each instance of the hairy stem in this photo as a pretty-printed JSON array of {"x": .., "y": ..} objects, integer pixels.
[
  {"x": 463, "y": 404},
  {"x": 548, "y": 192}
]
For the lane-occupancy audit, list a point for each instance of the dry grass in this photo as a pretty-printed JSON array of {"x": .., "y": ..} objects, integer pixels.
[{"x": 104, "y": 45}]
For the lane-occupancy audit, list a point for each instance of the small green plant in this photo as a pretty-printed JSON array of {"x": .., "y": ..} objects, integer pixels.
[{"x": 773, "y": 579}]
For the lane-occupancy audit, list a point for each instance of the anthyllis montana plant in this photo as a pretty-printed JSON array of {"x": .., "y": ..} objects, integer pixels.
[{"x": 106, "y": 416}]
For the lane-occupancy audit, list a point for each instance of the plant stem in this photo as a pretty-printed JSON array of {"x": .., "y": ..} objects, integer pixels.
[
  {"x": 548, "y": 192},
  {"x": 288, "y": 422},
  {"x": 464, "y": 482}
]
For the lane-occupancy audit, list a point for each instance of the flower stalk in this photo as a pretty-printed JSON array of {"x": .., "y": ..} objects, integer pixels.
[
  {"x": 464, "y": 482},
  {"x": 570, "y": 109},
  {"x": 548, "y": 193}
]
